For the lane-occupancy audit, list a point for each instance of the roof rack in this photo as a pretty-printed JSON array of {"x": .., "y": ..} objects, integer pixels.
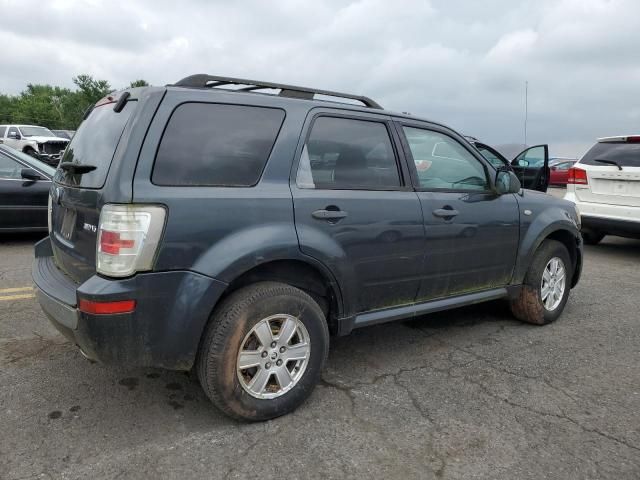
[{"x": 212, "y": 81}]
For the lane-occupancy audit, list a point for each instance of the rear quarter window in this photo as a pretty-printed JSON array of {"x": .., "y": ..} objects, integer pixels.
[
  {"x": 624, "y": 154},
  {"x": 207, "y": 144}
]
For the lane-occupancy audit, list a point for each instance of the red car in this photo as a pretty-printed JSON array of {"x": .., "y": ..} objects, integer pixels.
[{"x": 560, "y": 172}]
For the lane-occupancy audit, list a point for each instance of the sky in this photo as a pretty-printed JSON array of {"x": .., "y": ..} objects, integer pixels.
[{"x": 462, "y": 63}]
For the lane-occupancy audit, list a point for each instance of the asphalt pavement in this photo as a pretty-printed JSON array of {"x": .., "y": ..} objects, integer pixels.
[{"x": 470, "y": 393}]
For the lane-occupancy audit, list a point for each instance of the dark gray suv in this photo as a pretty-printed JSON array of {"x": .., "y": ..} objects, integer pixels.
[{"x": 230, "y": 225}]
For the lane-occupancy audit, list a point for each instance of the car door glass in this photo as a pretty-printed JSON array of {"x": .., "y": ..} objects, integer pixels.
[
  {"x": 348, "y": 154},
  {"x": 531, "y": 158},
  {"x": 489, "y": 155},
  {"x": 12, "y": 130},
  {"x": 2, "y": 130},
  {"x": 443, "y": 163},
  {"x": 9, "y": 169}
]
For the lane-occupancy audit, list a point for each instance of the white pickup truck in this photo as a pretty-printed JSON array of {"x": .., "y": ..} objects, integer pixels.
[{"x": 39, "y": 142}]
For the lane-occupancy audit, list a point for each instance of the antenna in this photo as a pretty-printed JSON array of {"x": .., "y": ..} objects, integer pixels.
[{"x": 526, "y": 107}]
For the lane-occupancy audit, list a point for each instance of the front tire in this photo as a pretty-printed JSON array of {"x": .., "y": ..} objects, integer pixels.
[
  {"x": 32, "y": 153},
  {"x": 263, "y": 351},
  {"x": 546, "y": 286}
]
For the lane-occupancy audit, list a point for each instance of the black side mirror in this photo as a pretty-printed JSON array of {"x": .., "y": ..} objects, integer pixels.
[
  {"x": 30, "y": 174},
  {"x": 507, "y": 182}
]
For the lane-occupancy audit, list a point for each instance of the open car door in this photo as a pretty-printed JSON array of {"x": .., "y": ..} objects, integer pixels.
[{"x": 532, "y": 167}]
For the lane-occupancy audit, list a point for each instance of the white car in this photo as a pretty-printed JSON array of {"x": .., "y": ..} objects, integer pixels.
[
  {"x": 39, "y": 142},
  {"x": 605, "y": 186}
]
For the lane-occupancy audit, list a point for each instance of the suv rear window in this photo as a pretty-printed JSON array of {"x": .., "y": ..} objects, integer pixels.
[
  {"x": 624, "y": 154},
  {"x": 94, "y": 144},
  {"x": 208, "y": 144}
]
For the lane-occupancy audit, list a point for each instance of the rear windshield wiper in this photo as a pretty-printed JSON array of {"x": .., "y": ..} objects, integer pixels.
[
  {"x": 76, "y": 168},
  {"x": 608, "y": 162}
]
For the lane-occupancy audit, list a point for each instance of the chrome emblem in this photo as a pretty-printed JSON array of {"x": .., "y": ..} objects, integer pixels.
[{"x": 90, "y": 228}]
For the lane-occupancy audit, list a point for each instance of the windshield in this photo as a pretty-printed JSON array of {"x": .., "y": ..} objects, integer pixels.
[
  {"x": 32, "y": 162},
  {"x": 36, "y": 132},
  {"x": 624, "y": 154}
]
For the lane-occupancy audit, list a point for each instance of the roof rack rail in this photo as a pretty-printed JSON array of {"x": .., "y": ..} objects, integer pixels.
[{"x": 212, "y": 81}]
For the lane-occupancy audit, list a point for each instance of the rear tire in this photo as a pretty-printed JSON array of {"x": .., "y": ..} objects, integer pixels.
[
  {"x": 252, "y": 320},
  {"x": 592, "y": 237},
  {"x": 544, "y": 293}
]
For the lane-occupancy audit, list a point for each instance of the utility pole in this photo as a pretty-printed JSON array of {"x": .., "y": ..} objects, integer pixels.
[{"x": 526, "y": 99}]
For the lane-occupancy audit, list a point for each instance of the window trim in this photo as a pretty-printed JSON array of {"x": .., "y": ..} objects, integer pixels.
[
  {"x": 486, "y": 165},
  {"x": 386, "y": 121},
  {"x": 166, "y": 125}
]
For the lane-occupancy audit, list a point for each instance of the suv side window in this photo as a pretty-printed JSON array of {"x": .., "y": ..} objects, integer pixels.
[
  {"x": 2, "y": 130},
  {"x": 207, "y": 144},
  {"x": 348, "y": 154},
  {"x": 13, "y": 130},
  {"x": 443, "y": 163}
]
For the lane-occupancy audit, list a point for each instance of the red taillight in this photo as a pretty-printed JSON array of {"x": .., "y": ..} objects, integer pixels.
[
  {"x": 111, "y": 242},
  {"x": 633, "y": 139},
  {"x": 577, "y": 176},
  {"x": 107, "y": 308}
]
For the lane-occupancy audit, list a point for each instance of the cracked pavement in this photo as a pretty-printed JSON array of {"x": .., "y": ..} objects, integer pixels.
[{"x": 469, "y": 393}]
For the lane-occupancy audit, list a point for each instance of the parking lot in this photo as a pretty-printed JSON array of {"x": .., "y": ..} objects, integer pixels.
[{"x": 469, "y": 393}]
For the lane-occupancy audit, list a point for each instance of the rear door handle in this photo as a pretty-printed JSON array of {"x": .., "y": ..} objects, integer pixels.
[
  {"x": 445, "y": 212},
  {"x": 329, "y": 214}
]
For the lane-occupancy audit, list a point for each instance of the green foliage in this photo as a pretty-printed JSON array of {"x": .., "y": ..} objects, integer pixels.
[
  {"x": 139, "y": 83},
  {"x": 55, "y": 107}
]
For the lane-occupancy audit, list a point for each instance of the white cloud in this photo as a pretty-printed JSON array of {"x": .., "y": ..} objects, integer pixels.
[{"x": 459, "y": 62}]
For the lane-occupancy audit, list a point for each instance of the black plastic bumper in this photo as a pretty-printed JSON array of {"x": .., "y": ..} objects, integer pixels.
[
  {"x": 620, "y": 228},
  {"x": 172, "y": 309}
]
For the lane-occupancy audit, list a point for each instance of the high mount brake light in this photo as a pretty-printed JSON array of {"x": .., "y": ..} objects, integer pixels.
[
  {"x": 128, "y": 237},
  {"x": 577, "y": 176}
]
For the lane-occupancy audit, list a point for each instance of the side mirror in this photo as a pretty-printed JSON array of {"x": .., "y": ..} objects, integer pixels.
[
  {"x": 507, "y": 182},
  {"x": 30, "y": 174},
  {"x": 14, "y": 135}
]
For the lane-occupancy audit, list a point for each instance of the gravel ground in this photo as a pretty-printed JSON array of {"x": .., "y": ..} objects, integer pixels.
[{"x": 469, "y": 393}]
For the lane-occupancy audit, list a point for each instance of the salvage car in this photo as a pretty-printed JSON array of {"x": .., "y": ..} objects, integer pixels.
[
  {"x": 38, "y": 142},
  {"x": 531, "y": 165},
  {"x": 605, "y": 186},
  {"x": 217, "y": 226},
  {"x": 24, "y": 192}
]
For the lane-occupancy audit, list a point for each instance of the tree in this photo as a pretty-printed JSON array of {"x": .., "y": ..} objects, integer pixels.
[
  {"x": 55, "y": 107},
  {"x": 139, "y": 83}
]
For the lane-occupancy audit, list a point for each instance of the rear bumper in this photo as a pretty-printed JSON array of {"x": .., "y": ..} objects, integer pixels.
[
  {"x": 611, "y": 226},
  {"x": 172, "y": 309}
]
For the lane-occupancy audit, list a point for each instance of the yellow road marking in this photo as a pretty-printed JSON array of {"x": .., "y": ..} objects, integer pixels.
[
  {"x": 17, "y": 289},
  {"x": 17, "y": 297}
]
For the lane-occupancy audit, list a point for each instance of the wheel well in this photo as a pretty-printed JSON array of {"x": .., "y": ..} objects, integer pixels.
[
  {"x": 568, "y": 239},
  {"x": 297, "y": 274},
  {"x": 27, "y": 148}
]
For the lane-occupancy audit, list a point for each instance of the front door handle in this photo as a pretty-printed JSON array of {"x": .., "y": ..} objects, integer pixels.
[
  {"x": 445, "y": 212},
  {"x": 329, "y": 214}
]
